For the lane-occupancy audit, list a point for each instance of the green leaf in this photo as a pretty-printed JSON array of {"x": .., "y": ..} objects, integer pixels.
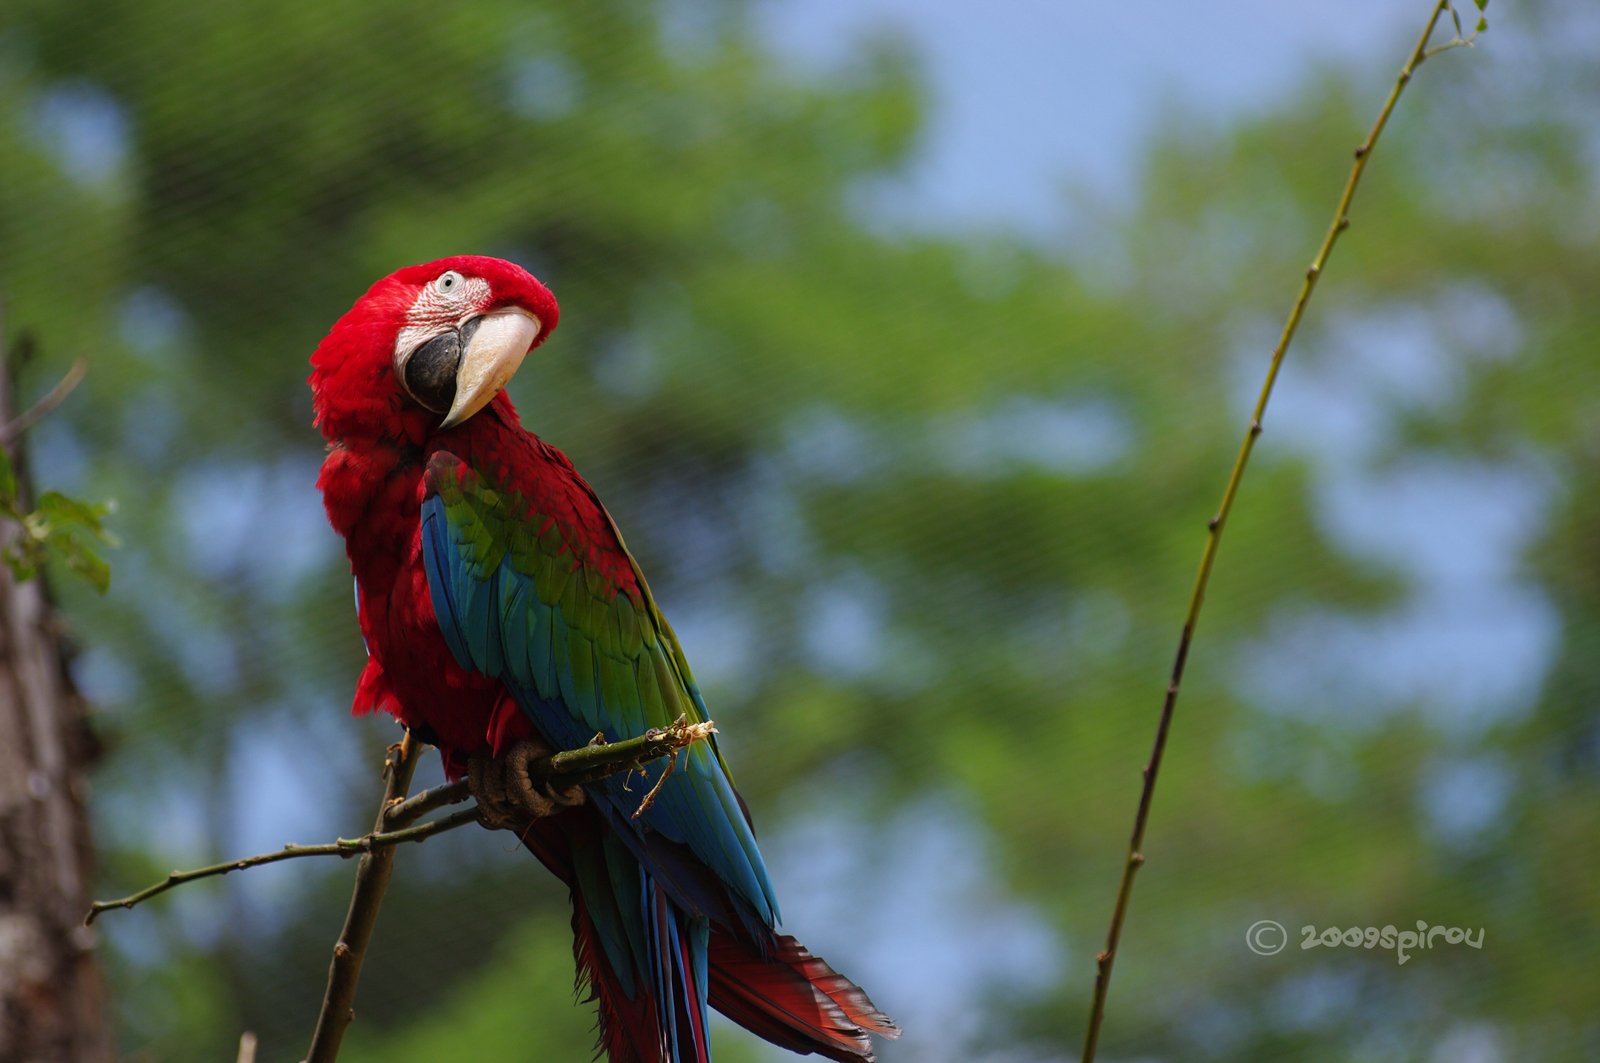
[
  {"x": 63, "y": 527},
  {"x": 1481, "y": 5},
  {"x": 86, "y": 563},
  {"x": 1482, "y": 26},
  {"x": 60, "y": 509}
]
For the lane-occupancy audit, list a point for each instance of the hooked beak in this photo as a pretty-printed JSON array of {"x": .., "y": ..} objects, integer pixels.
[
  {"x": 493, "y": 353},
  {"x": 458, "y": 372}
]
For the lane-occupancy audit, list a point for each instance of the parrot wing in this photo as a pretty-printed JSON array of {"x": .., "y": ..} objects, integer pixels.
[{"x": 531, "y": 583}]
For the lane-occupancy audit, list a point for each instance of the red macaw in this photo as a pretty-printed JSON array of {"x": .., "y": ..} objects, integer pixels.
[{"x": 503, "y": 613}]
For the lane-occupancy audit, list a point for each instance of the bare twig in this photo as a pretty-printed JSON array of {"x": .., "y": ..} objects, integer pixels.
[
  {"x": 1340, "y": 222},
  {"x": 562, "y": 769},
  {"x": 650, "y": 797},
  {"x": 414, "y": 808},
  {"x": 49, "y": 401},
  {"x": 345, "y": 847},
  {"x": 599, "y": 759},
  {"x": 372, "y": 880},
  {"x": 398, "y": 826}
]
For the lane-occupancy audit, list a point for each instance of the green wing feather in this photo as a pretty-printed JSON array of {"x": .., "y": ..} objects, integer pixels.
[{"x": 535, "y": 586}]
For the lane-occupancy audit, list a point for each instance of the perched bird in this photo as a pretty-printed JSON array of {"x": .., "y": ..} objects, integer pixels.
[{"x": 504, "y": 617}]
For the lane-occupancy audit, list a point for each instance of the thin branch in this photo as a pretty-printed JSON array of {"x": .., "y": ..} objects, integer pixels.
[
  {"x": 1340, "y": 222},
  {"x": 414, "y": 808},
  {"x": 561, "y": 770},
  {"x": 372, "y": 881},
  {"x": 396, "y": 824},
  {"x": 342, "y": 847},
  {"x": 49, "y": 401},
  {"x": 650, "y": 797},
  {"x": 597, "y": 760},
  {"x": 1457, "y": 41}
]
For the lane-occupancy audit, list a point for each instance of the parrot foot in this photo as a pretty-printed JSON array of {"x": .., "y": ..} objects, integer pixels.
[{"x": 507, "y": 795}]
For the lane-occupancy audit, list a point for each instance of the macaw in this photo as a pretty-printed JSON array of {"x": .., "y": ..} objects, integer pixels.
[{"x": 503, "y": 614}]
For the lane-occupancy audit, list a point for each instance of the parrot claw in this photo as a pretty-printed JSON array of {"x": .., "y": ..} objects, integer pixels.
[{"x": 507, "y": 795}]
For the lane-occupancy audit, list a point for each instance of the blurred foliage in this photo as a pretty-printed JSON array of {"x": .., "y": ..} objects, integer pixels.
[
  {"x": 924, "y": 508},
  {"x": 55, "y": 527}
]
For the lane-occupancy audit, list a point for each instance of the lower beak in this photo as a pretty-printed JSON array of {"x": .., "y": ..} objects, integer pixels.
[{"x": 491, "y": 357}]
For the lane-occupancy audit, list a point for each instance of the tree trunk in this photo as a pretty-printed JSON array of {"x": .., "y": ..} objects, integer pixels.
[{"x": 52, "y": 1001}]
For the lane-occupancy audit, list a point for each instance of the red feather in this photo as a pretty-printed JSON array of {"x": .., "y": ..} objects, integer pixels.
[
  {"x": 793, "y": 999},
  {"x": 373, "y": 488}
]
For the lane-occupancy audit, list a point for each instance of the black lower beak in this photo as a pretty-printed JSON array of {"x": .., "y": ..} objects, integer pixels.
[{"x": 432, "y": 368}]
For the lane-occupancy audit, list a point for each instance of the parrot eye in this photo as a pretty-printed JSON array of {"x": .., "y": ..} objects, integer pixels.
[{"x": 448, "y": 282}]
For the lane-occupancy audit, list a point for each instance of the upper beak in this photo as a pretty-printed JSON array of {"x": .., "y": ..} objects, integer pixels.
[{"x": 492, "y": 355}]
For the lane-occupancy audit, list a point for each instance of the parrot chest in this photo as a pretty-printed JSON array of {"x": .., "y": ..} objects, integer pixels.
[
  {"x": 429, "y": 687},
  {"x": 376, "y": 505}
]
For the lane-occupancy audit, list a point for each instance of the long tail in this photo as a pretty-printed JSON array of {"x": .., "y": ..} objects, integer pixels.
[
  {"x": 653, "y": 968},
  {"x": 793, "y": 999},
  {"x": 643, "y": 960}
]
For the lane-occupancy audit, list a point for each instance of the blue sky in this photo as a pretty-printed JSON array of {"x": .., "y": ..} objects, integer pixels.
[{"x": 1031, "y": 96}]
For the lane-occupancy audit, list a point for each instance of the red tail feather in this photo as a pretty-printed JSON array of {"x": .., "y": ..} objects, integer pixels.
[
  {"x": 666, "y": 1009},
  {"x": 793, "y": 999},
  {"x": 629, "y": 1032},
  {"x": 775, "y": 988}
]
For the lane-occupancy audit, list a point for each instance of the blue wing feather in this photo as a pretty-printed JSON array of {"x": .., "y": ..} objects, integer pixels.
[
  {"x": 521, "y": 625},
  {"x": 438, "y": 556}
]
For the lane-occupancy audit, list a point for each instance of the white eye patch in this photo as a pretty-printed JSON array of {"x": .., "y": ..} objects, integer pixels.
[{"x": 440, "y": 307}]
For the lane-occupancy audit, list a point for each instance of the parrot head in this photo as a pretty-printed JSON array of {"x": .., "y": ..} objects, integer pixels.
[{"x": 427, "y": 347}]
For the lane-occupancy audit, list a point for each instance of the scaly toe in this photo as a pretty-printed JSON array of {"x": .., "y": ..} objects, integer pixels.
[
  {"x": 537, "y": 798},
  {"x": 568, "y": 798},
  {"x": 507, "y": 793},
  {"x": 486, "y": 779}
]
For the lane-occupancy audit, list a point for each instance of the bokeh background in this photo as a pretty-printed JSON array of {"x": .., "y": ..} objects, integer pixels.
[{"x": 909, "y": 342}]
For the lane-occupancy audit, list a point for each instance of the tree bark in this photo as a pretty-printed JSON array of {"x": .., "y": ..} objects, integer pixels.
[{"x": 52, "y": 999}]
